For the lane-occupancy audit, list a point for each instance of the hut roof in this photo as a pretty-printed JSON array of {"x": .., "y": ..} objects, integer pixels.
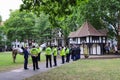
[
  {"x": 72, "y": 34},
  {"x": 87, "y": 30}
]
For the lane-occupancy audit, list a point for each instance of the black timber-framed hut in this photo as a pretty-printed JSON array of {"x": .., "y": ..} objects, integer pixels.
[{"x": 95, "y": 40}]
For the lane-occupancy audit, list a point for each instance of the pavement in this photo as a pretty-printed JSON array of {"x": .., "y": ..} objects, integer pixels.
[{"x": 20, "y": 74}]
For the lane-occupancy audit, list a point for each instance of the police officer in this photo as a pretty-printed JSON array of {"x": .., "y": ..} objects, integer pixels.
[
  {"x": 67, "y": 52},
  {"x": 26, "y": 54},
  {"x": 62, "y": 54},
  {"x": 34, "y": 54},
  {"x": 39, "y": 53},
  {"x": 48, "y": 53},
  {"x": 55, "y": 55}
]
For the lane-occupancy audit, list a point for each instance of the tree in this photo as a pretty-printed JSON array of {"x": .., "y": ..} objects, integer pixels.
[
  {"x": 0, "y": 18},
  {"x": 2, "y": 35},
  {"x": 58, "y": 11},
  {"x": 102, "y": 15},
  {"x": 20, "y": 26},
  {"x": 2, "y": 32},
  {"x": 56, "y": 7},
  {"x": 42, "y": 25}
]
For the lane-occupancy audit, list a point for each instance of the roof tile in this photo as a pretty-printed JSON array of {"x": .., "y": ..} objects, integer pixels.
[{"x": 87, "y": 30}]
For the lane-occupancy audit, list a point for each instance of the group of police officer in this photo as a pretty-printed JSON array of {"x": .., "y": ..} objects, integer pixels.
[
  {"x": 35, "y": 55},
  {"x": 50, "y": 52},
  {"x": 66, "y": 54}
]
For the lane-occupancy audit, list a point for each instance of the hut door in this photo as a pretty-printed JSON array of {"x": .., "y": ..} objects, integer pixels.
[
  {"x": 81, "y": 48},
  {"x": 98, "y": 49},
  {"x": 94, "y": 49}
]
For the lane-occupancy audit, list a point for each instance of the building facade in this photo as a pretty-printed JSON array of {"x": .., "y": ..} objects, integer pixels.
[{"x": 88, "y": 36}]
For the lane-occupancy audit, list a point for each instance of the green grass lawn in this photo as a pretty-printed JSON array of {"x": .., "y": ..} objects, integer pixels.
[
  {"x": 85, "y": 69},
  {"x": 6, "y": 61}
]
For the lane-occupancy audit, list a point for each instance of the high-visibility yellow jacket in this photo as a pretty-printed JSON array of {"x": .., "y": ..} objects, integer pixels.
[
  {"x": 39, "y": 50},
  {"x": 62, "y": 52},
  {"x": 48, "y": 51},
  {"x": 34, "y": 52},
  {"x": 54, "y": 51},
  {"x": 67, "y": 51}
]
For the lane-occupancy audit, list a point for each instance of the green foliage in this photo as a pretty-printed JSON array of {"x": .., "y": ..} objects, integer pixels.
[
  {"x": 23, "y": 25},
  {"x": 68, "y": 14},
  {"x": 102, "y": 14},
  {"x": 0, "y": 18},
  {"x": 43, "y": 28},
  {"x": 20, "y": 26},
  {"x": 56, "y": 7},
  {"x": 59, "y": 11},
  {"x": 2, "y": 35},
  {"x": 1, "y": 32}
]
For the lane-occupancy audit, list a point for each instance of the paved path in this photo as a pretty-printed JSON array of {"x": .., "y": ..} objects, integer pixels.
[{"x": 19, "y": 74}]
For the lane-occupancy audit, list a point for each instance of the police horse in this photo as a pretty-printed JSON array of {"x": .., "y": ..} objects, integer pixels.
[{"x": 16, "y": 51}]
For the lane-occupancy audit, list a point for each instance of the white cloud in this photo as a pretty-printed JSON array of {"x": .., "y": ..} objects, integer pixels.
[{"x": 6, "y": 5}]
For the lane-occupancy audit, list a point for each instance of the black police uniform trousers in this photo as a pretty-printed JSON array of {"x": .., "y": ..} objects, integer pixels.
[
  {"x": 67, "y": 57},
  {"x": 63, "y": 59},
  {"x": 35, "y": 62},
  {"x": 25, "y": 62},
  {"x": 55, "y": 60},
  {"x": 39, "y": 56},
  {"x": 48, "y": 59}
]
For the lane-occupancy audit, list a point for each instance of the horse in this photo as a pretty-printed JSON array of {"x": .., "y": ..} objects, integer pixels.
[{"x": 15, "y": 52}]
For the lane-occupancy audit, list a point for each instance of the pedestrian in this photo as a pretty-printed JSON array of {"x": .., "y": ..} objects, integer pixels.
[
  {"x": 67, "y": 52},
  {"x": 107, "y": 48},
  {"x": 48, "y": 53},
  {"x": 85, "y": 51},
  {"x": 39, "y": 53},
  {"x": 78, "y": 53},
  {"x": 62, "y": 54},
  {"x": 34, "y": 54},
  {"x": 26, "y": 55},
  {"x": 116, "y": 49},
  {"x": 71, "y": 52},
  {"x": 55, "y": 52},
  {"x": 74, "y": 53}
]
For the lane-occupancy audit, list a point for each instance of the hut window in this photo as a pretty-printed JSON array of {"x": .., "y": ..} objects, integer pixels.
[
  {"x": 74, "y": 39},
  {"x": 83, "y": 39},
  {"x": 95, "y": 38}
]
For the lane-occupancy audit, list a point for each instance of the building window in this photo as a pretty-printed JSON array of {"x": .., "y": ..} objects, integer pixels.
[
  {"x": 74, "y": 39},
  {"x": 83, "y": 39},
  {"x": 95, "y": 38}
]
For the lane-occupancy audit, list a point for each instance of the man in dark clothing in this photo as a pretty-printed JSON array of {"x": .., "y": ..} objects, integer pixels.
[
  {"x": 77, "y": 53},
  {"x": 74, "y": 53},
  {"x": 71, "y": 52},
  {"x": 26, "y": 53}
]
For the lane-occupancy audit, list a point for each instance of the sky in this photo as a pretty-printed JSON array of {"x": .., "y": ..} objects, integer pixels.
[{"x": 6, "y": 5}]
